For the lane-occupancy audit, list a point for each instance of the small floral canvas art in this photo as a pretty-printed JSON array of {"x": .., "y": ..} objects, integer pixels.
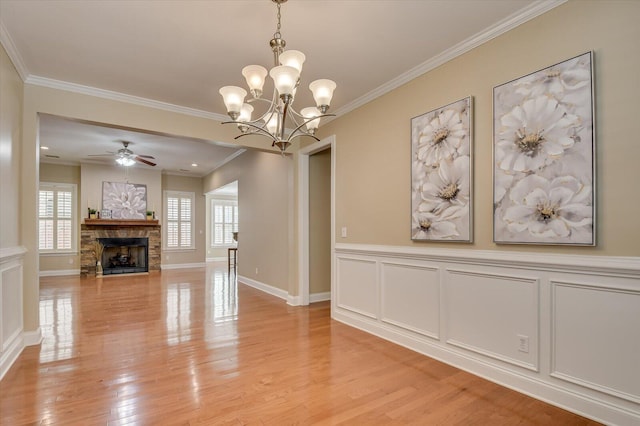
[
  {"x": 441, "y": 174},
  {"x": 544, "y": 169},
  {"x": 125, "y": 200}
]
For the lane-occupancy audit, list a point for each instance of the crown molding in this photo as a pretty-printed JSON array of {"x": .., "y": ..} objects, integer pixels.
[
  {"x": 534, "y": 10},
  {"x": 12, "y": 52},
  {"x": 121, "y": 97}
]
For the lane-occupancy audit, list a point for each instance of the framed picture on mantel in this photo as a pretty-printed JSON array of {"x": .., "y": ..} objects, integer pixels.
[{"x": 125, "y": 200}]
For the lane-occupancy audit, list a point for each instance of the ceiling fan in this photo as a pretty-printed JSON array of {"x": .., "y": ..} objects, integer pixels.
[{"x": 125, "y": 157}]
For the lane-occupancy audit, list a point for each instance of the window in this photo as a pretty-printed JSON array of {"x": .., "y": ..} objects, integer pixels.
[
  {"x": 179, "y": 219},
  {"x": 57, "y": 218},
  {"x": 224, "y": 221}
]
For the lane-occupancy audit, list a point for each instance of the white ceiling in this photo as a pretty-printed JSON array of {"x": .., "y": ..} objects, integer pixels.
[{"x": 181, "y": 52}]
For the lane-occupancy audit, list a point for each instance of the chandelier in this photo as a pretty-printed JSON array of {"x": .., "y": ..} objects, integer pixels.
[{"x": 280, "y": 123}]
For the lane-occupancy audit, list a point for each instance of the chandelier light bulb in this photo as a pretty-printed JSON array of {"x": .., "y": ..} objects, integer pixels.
[
  {"x": 272, "y": 124},
  {"x": 285, "y": 79},
  {"x": 309, "y": 113},
  {"x": 233, "y": 97},
  {"x": 293, "y": 58},
  {"x": 322, "y": 92},
  {"x": 255, "y": 75},
  {"x": 245, "y": 113}
]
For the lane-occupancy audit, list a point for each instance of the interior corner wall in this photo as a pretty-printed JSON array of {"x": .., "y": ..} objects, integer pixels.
[
  {"x": 197, "y": 255},
  {"x": 67, "y": 264},
  {"x": 373, "y": 159},
  {"x": 264, "y": 215}
]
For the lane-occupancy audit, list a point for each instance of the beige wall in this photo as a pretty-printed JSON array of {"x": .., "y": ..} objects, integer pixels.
[
  {"x": 11, "y": 89},
  {"x": 320, "y": 222},
  {"x": 373, "y": 154},
  {"x": 264, "y": 214},
  {"x": 187, "y": 184},
  {"x": 57, "y": 173}
]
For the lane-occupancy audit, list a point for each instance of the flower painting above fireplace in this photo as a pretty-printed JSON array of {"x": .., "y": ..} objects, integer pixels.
[{"x": 125, "y": 200}]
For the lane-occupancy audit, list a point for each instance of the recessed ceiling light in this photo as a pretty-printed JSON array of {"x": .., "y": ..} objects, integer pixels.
[
  {"x": 44, "y": 148},
  {"x": 194, "y": 165}
]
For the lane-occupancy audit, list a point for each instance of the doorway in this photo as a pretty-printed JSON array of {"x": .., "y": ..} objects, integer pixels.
[{"x": 313, "y": 251}]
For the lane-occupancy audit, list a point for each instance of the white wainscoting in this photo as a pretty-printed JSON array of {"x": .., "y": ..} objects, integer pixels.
[
  {"x": 562, "y": 328},
  {"x": 11, "y": 326}
]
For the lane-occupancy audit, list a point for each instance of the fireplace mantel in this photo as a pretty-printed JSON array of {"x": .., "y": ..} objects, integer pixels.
[{"x": 121, "y": 222}]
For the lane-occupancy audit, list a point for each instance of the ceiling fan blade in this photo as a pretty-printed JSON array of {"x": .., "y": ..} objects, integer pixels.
[
  {"x": 147, "y": 156},
  {"x": 143, "y": 161}
]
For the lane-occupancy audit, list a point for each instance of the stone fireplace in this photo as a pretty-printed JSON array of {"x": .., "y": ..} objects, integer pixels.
[{"x": 130, "y": 246}]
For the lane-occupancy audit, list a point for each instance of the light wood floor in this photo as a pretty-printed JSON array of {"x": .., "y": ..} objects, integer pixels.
[{"x": 191, "y": 347}]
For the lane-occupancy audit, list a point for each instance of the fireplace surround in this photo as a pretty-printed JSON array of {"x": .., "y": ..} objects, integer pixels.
[{"x": 133, "y": 246}]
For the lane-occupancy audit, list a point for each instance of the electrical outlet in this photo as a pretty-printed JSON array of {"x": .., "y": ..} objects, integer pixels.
[
  {"x": 256, "y": 271},
  {"x": 523, "y": 343},
  {"x": 344, "y": 232}
]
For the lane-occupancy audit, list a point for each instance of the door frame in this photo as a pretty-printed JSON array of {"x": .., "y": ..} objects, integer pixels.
[{"x": 303, "y": 213}]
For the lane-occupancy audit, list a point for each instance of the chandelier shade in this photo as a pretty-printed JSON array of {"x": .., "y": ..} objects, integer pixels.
[{"x": 279, "y": 121}]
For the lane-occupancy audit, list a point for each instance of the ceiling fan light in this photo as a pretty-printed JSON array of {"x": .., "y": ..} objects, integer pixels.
[
  {"x": 322, "y": 92},
  {"x": 233, "y": 97},
  {"x": 125, "y": 161},
  {"x": 285, "y": 79},
  {"x": 293, "y": 58},
  {"x": 255, "y": 75}
]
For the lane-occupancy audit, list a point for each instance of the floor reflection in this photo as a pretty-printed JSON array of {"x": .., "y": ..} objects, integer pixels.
[
  {"x": 178, "y": 313},
  {"x": 224, "y": 295},
  {"x": 56, "y": 319}
]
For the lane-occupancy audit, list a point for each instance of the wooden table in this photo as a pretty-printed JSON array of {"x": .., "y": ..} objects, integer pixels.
[{"x": 235, "y": 259}]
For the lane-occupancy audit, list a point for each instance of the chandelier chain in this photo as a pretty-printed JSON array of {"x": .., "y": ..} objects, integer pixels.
[{"x": 277, "y": 34}]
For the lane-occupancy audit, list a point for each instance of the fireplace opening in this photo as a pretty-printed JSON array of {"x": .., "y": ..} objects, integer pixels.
[{"x": 124, "y": 255}]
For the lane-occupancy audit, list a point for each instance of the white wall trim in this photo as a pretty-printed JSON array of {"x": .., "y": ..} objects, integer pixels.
[
  {"x": 13, "y": 52},
  {"x": 274, "y": 291},
  {"x": 9, "y": 354},
  {"x": 182, "y": 265},
  {"x": 12, "y": 253},
  {"x": 217, "y": 259},
  {"x": 121, "y": 97},
  {"x": 319, "y": 297},
  {"x": 534, "y": 10},
  {"x": 32, "y": 338},
  {"x": 59, "y": 272},
  {"x": 611, "y": 401},
  {"x": 600, "y": 265},
  {"x": 303, "y": 212}
]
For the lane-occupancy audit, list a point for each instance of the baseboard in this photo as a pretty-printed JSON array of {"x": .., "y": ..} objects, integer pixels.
[
  {"x": 320, "y": 297},
  {"x": 11, "y": 353},
  {"x": 59, "y": 272},
  {"x": 32, "y": 338},
  {"x": 274, "y": 291},
  {"x": 166, "y": 267},
  {"x": 216, "y": 259}
]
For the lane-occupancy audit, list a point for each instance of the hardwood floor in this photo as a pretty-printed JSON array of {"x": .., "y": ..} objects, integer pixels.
[{"x": 191, "y": 347}]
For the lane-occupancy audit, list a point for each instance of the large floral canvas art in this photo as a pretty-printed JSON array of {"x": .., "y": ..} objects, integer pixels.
[
  {"x": 125, "y": 200},
  {"x": 544, "y": 158},
  {"x": 441, "y": 174}
]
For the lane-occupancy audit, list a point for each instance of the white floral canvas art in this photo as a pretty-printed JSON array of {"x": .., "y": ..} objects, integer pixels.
[
  {"x": 543, "y": 172},
  {"x": 441, "y": 174},
  {"x": 125, "y": 200}
]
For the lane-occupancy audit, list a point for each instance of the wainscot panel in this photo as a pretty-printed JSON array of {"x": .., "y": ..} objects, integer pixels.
[
  {"x": 11, "y": 325},
  {"x": 410, "y": 297},
  {"x": 561, "y": 328},
  {"x": 361, "y": 296},
  {"x": 590, "y": 326},
  {"x": 491, "y": 313}
]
